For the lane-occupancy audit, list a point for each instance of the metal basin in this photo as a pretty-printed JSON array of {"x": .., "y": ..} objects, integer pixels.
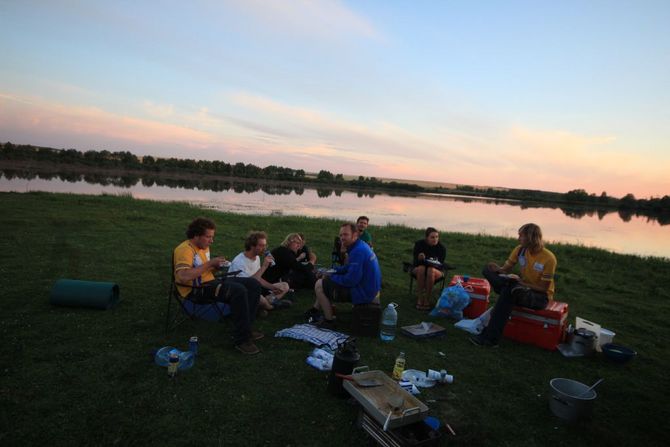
[{"x": 567, "y": 402}]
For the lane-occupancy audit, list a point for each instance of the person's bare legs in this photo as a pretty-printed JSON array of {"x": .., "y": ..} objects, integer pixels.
[
  {"x": 322, "y": 302},
  {"x": 432, "y": 275},
  {"x": 421, "y": 293},
  {"x": 284, "y": 289},
  {"x": 264, "y": 303}
]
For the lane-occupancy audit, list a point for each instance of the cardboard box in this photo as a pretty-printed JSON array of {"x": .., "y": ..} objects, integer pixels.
[
  {"x": 544, "y": 328},
  {"x": 479, "y": 290}
]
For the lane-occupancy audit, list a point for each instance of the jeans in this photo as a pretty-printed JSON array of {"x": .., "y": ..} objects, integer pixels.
[
  {"x": 510, "y": 294},
  {"x": 242, "y": 295}
]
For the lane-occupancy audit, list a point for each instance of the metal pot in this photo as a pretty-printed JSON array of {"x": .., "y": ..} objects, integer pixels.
[
  {"x": 584, "y": 341},
  {"x": 571, "y": 400},
  {"x": 346, "y": 358}
]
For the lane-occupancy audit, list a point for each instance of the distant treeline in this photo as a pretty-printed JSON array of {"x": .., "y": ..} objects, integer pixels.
[
  {"x": 128, "y": 161},
  {"x": 274, "y": 188},
  {"x": 575, "y": 197},
  {"x": 124, "y": 160}
]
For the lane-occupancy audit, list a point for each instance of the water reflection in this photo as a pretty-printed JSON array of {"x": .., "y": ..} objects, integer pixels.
[{"x": 618, "y": 230}]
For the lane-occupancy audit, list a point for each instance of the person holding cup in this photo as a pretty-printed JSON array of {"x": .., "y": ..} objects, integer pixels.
[
  {"x": 248, "y": 263},
  {"x": 428, "y": 259},
  {"x": 195, "y": 281}
]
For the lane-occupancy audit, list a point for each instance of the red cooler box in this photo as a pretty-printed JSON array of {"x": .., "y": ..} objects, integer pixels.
[
  {"x": 544, "y": 328},
  {"x": 479, "y": 290}
]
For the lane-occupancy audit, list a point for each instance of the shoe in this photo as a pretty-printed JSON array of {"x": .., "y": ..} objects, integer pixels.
[
  {"x": 313, "y": 315},
  {"x": 290, "y": 296},
  {"x": 248, "y": 347},
  {"x": 482, "y": 340},
  {"x": 281, "y": 304},
  {"x": 256, "y": 335},
  {"x": 326, "y": 324},
  {"x": 423, "y": 307}
]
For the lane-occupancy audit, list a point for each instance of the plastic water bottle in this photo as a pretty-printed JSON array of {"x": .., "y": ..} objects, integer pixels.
[
  {"x": 173, "y": 364},
  {"x": 389, "y": 322}
]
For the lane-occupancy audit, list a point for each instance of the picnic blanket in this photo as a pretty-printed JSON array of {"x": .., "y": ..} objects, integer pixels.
[
  {"x": 75, "y": 293},
  {"x": 314, "y": 335}
]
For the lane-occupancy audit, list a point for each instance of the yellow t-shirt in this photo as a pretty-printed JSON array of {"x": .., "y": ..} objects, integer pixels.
[
  {"x": 187, "y": 256},
  {"x": 535, "y": 268}
]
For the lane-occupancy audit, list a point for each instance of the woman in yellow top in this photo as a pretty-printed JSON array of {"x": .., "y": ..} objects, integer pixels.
[{"x": 533, "y": 288}]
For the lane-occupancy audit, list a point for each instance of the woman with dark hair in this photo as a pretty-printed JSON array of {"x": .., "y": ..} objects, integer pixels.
[
  {"x": 534, "y": 288},
  {"x": 429, "y": 254}
]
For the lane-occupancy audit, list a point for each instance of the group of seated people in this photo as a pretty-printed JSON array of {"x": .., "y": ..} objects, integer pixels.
[
  {"x": 533, "y": 288},
  {"x": 259, "y": 287}
]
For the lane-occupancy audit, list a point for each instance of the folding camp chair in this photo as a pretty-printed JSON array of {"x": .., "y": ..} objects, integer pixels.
[
  {"x": 408, "y": 267},
  {"x": 190, "y": 309}
]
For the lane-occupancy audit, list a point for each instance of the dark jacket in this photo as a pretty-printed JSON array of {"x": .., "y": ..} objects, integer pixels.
[
  {"x": 285, "y": 263},
  {"x": 361, "y": 273},
  {"x": 438, "y": 251}
]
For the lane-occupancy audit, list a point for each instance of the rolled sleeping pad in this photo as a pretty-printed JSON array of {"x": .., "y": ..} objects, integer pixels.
[{"x": 75, "y": 293}]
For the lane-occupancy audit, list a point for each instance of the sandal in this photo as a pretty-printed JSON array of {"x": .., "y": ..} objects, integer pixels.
[{"x": 422, "y": 307}]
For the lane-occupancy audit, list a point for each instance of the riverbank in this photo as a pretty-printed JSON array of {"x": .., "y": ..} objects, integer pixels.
[
  {"x": 86, "y": 377},
  {"x": 654, "y": 206}
]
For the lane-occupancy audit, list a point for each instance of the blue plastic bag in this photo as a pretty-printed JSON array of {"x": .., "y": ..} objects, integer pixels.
[{"x": 452, "y": 302}]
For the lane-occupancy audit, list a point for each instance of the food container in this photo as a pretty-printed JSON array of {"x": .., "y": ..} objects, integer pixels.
[
  {"x": 618, "y": 353},
  {"x": 375, "y": 400},
  {"x": 606, "y": 336}
]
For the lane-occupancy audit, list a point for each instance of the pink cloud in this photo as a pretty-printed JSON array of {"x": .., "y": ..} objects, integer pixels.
[{"x": 35, "y": 115}]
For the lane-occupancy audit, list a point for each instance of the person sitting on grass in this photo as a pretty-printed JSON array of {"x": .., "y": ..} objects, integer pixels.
[
  {"x": 248, "y": 263},
  {"x": 194, "y": 275},
  {"x": 305, "y": 255},
  {"x": 533, "y": 289},
  {"x": 287, "y": 267},
  {"x": 358, "y": 281},
  {"x": 428, "y": 257},
  {"x": 363, "y": 233}
]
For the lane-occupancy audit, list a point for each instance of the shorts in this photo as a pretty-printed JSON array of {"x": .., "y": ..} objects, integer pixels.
[{"x": 336, "y": 292}]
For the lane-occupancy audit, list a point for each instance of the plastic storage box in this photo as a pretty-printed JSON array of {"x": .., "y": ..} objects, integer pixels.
[
  {"x": 479, "y": 290},
  {"x": 544, "y": 328},
  {"x": 365, "y": 320}
]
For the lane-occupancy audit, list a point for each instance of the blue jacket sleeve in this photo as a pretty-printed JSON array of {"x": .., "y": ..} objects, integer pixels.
[{"x": 350, "y": 274}]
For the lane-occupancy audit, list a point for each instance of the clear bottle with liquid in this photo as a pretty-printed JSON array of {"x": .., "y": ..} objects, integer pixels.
[
  {"x": 387, "y": 328},
  {"x": 399, "y": 367},
  {"x": 173, "y": 364}
]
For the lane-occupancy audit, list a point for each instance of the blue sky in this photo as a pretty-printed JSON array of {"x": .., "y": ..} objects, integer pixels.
[{"x": 529, "y": 94}]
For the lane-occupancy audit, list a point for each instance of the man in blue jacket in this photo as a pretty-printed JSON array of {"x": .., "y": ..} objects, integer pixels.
[{"x": 359, "y": 280}]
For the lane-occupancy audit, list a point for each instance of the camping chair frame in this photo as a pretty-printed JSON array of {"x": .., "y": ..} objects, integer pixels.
[
  {"x": 181, "y": 313},
  {"x": 409, "y": 268}
]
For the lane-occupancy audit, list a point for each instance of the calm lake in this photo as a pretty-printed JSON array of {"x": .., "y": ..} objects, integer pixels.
[{"x": 610, "y": 230}]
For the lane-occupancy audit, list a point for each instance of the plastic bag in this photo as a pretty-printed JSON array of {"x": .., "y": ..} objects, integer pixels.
[
  {"x": 320, "y": 359},
  {"x": 452, "y": 302},
  {"x": 477, "y": 325}
]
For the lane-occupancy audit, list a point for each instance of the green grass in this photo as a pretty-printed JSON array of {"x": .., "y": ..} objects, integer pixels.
[{"x": 85, "y": 377}]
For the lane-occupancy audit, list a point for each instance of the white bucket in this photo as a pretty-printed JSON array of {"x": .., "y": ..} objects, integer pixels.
[{"x": 606, "y": 336}]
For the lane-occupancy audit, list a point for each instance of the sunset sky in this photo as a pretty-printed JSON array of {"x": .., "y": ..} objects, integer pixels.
[{"x": 550, "y": 95}]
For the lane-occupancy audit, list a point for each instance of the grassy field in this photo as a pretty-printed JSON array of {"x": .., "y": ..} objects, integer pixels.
[{"x": 86, "y": 377}]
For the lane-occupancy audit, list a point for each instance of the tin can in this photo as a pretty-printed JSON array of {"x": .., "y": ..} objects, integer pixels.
[
  {"x": 193, "y": 345},
  {"x": 173, "y": 364},
  {"x": 268, "y": 253}
]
